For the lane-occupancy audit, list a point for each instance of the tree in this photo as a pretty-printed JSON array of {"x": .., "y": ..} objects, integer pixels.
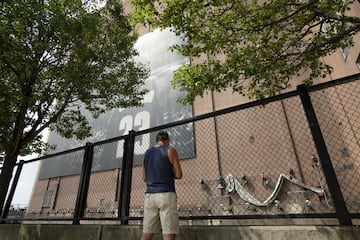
[
  {"x": 57, "y": 57},
  {"x": 254, "y": 47}
]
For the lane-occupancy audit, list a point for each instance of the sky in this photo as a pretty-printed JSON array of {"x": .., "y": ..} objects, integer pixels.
[
  {"x": 26, "y": 182},
  {"x": 27, "y": 178}
]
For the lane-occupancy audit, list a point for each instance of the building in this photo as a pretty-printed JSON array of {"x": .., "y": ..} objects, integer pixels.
[{"x": 241, "y": 144}]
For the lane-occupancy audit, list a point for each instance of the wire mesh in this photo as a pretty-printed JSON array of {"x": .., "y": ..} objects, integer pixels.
[
  {"x": 338, "y": 112},
  {"x": 258, "y": 162},
  {"x": 22, "y": 194},
  {"x": 268, "y": 151},
  {"x": 54, "y": 196},
  {"x": 103, "y": 192}
]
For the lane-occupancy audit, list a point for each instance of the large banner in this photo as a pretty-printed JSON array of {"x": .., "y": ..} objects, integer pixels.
[{"x": 160, "y": 107}]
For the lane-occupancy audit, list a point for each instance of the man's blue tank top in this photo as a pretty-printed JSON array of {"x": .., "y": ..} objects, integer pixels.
[{"x": 159, "y": 171}]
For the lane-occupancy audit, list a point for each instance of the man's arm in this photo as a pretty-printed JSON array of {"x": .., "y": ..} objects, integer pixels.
[{"x": 174, "y": 160}]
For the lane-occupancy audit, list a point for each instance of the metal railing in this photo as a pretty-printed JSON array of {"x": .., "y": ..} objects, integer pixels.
[{"x": 289, "y": 159}]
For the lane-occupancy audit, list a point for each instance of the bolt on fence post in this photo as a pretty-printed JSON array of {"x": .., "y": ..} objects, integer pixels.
[
  {"x": 126, "y": 176},
  {"x": 339, "y": 203},
  {"x": 12, "y": 191},
  {"x": 84, "y": 183}
]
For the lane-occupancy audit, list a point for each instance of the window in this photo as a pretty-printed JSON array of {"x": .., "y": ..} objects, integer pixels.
[
  {"x": 48, "y": 199},
  {"x": 358, "y": 61},
  {"x": 344, "y": 53}
]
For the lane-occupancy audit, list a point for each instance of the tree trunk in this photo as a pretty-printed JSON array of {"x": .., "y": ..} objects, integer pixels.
[{"x": 5, "y": 178}]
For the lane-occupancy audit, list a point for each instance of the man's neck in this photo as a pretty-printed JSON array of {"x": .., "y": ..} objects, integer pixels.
[{"x": 160, "y": 143}]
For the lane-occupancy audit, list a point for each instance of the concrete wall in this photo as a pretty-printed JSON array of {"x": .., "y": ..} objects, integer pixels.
[{"x": 111, "y": 232}]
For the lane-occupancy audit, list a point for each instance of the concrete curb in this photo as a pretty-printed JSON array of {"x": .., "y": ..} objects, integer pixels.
[{"x": 111, "y": 232}]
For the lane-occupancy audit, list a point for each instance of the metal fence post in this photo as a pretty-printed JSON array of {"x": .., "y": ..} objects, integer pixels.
[
  {"x": 126, "y": 176},
  {"x": 12, "y": 190},
  {"x": 339, "y": 203},
  {"x": 84, "y": 183}
]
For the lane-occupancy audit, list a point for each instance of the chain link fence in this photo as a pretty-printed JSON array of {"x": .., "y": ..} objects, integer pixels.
[
  {"x": 338, "y": 112},
  {"x": 55, "y": 197},
  {"x": 258, "y": 163}
]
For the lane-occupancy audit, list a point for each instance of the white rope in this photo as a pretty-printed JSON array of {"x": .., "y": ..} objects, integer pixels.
[{"x": 232, "y": 184}]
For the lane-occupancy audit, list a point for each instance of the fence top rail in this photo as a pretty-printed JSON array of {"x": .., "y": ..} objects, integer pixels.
[
  {"x": 69, "y": 150},
  {"x": 334, "y": 83},
  {"x": 251, "y": 104},
  {"x": 49, "y": 155},
  {"x": 261, "y": 102}
]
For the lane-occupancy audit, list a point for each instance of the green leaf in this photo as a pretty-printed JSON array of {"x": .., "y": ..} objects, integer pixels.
[
  {"x": 261, "y": 46},
  {"x": 56, "y": 58}
]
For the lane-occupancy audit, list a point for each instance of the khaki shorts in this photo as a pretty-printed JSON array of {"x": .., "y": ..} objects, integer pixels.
[{"x": 161, "y": 208}]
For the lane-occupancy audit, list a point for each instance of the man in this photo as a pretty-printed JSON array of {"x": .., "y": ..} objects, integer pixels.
[{"x": 161, "y": 166}]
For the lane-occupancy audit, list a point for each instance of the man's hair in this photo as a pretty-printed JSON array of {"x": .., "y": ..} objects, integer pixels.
[{"x": 161, "y": 136}]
